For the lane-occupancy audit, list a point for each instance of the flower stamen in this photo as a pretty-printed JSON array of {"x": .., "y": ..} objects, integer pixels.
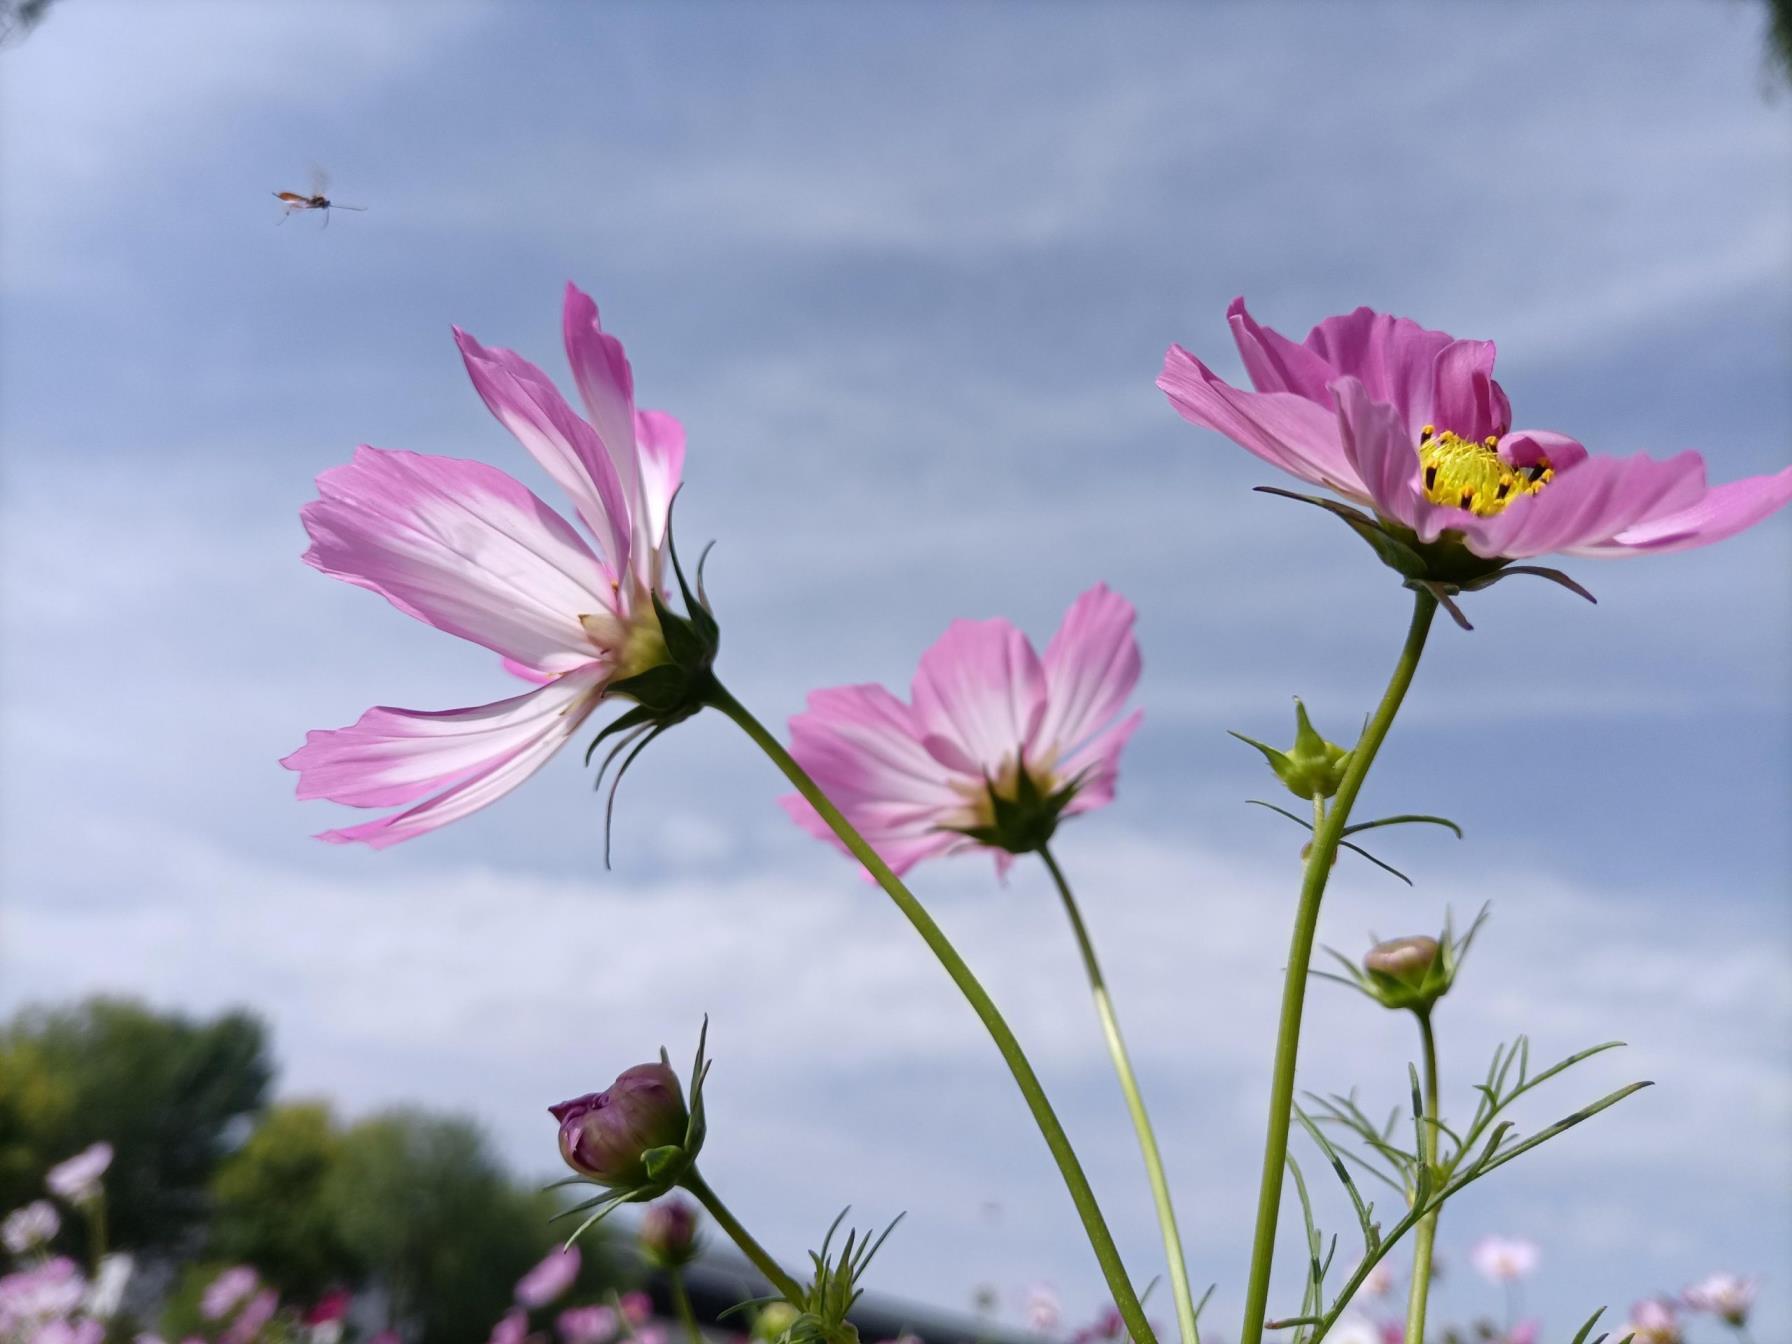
[{"x": 1461, "y": 473}]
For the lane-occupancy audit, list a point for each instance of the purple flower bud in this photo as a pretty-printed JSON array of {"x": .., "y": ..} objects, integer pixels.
[
  {"x": 604, "y": 1135},
  {"x": 669, "y": 1233}
]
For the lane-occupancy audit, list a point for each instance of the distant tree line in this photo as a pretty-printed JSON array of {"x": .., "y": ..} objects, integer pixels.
[{"x": 411, "y": 1205}]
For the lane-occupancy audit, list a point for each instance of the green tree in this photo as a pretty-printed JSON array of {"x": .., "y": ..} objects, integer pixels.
[
  {"x": 273, "y": 1203},
  {"x": 171, "y": 1094},
  {"x": 420, "y": 1200}
]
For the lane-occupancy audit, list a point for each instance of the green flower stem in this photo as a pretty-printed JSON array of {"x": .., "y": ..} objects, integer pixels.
[
  {"x": 682, "y": 1301},
  {"x": 95, "y": 1209},
  {"x": 1135, "y": 1104},
  {"x": 1328, "y": 831},
  {"x": 1094, "y": 1225},
  {"x": 787, "y": 1287},
  {"x": 1426, "y": 1232}
]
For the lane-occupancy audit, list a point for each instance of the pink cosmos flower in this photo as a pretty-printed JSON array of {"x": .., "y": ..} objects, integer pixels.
[
  {"x": 994, "y": 747},
  {"x": 45, "y": 1292},
  {"x": 512, "y": 1326},
  {"x": 1504, "y": 1259},
  {"x": 1728, "y": 1296},
  {"x": 255, "y": 1314},
  {"x": 223, "y": 1293},
  {"x": 470, "y": 550},
  {"x": 77, "y": 1179},
  {"x": 637, "y": 1307},
  {"x": 71, "y": 1332},
  {"x": 549, "y": 1279},
  {"x": 1653, "y": 1321},
  {"x": 587, "y": 1325},
  {"x": 1412, "y": 423},
  {"x": 34, "y": 1225},
  {"x": 1044, "y": 1311}
]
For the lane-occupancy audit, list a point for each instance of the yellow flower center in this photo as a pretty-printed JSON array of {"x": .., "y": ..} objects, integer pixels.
[{"x": 1467, "y": 475}]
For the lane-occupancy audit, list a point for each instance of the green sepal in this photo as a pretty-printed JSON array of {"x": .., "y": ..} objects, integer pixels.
[
  {"x": 665, "y": 1164},
  {"x": 1026, "y": 822},
  {"x": 1389, "y": 549},
  {"x": 1312, "y": 767},
  {"x": 1444, "y": 567},
  {"x": 697, "y": 1127}
]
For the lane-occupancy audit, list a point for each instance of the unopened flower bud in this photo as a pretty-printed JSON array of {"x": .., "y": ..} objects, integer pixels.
[
  {"x": 1312, "y": 767},
  {"x": 669, "y": 1233},
  {"x": 610, "y": 1135},
  {"x": 1408, "y": 972}
]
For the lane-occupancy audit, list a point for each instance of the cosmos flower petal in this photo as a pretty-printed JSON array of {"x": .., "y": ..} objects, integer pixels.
[
  {"x": 1526, "y": 447},
  {"x": 1394, "y": 358},
  {"x": 600, "y": 370},
  {"x": 1097, "y": 766},
  {"x": 1277, "y": 364},
  {"x": 979, "y": 696},
  {"x": 1464, "y": 397},
  {"x": 1381, "y": 453},
  {"x": 390, "y": 756},
  {"x": 661, "y": 440},
  {"x": 463, "y": 547},
  {"x": 528, "y": 404},
  {"x": 1091, "y": 666},
  {"x": 1588, "y": 504},
  {"x": 1722, "y": 512},
  {"x": 861, "y": 745},
  {"x": 1285, "y": 429},
  {"x": 465, "y": 759}
]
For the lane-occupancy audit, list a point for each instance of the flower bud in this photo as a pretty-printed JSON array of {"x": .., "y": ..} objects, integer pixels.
[
  {"x": 1312, "y": 767},
  {"x": 1409, "y": 972},
  {"x": 610, "y": 1135},
  {"x": 669, "y": 1233}
]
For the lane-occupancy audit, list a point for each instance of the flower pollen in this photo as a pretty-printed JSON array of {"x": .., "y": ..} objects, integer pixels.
[{"x": 1463, "y": 474}]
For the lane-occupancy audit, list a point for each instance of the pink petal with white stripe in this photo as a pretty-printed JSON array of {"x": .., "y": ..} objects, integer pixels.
[
  {"x": 661, "y": 441},
  {"x": 1091, "y": 666},
  {"x": 463, "y": 547},
  {"x": 1097, "y": 766},
  {"x": 465, "y": 758},
  {"x": 606, "y": 384},
  {"x": 862, "y": 746},
  {"x": 527, "y": 403},
  {"x": 979, "y": 696}
]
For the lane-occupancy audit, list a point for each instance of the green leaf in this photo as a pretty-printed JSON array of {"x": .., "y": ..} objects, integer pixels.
[
  {"x": 1403, "y": 819},
  {"x": 1580, "y": 1336}
]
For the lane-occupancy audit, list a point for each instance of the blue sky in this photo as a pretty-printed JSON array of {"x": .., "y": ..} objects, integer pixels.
[{"x": 907, "y": 273}]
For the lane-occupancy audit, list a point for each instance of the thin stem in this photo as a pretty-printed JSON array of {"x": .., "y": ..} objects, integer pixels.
[
  {"x": 787, "y": 1287},
  {"x": 1101, "y": 1241},
  {"x": 95, "y": 1210},
  {"x": 1426, "y": 1233},
  {"x": 1135, "y": 1105},
  {"x": 682, "y": 1301},
  {"x": 1327, "y": 832}
]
